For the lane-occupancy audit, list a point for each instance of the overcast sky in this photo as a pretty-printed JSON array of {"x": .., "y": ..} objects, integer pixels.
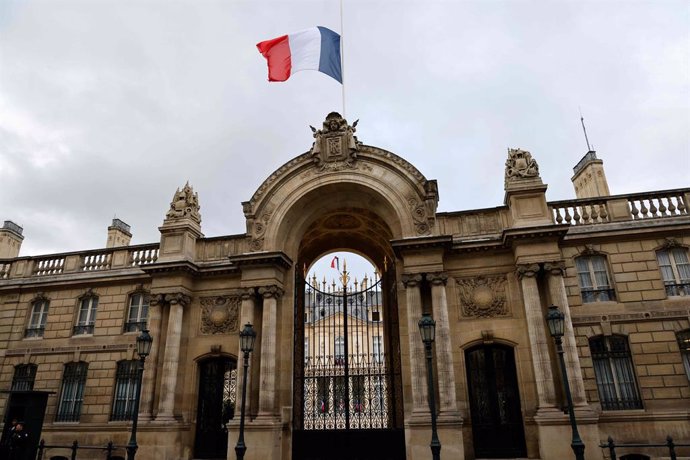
[{"x": 106, "y": 107}]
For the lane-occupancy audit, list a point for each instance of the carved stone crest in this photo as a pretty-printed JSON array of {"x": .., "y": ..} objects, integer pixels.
[
  {"x": 219, "y": 315},
  {"x": 520, "y": 165},
  {"x": 185, "y": 204},
  {"x": 335, "y": 145},
  {"x": 483, "y": 296}
]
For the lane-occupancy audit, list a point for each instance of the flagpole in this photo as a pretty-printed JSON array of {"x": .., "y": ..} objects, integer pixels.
[{"x": 342, "y": 57}]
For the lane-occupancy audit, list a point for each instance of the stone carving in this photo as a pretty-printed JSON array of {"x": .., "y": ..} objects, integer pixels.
[
  {"x": 439, "y": 278},
  {"x": 185, "y": 204},
  {"x": 411, "y": 280},
  {"x": 483, "y": 296},
  {"x": 335, "y": 145},
  {"x": 670, "y": 243},
  {"x": 171, "y": 298},
  {"x": 272, "y": 291},
  {"x": 528, "y": 270},
  {"x": 219, "y": 315},
  {"x": 520, "y": 165},
  {"x": 555, "y": 268}
]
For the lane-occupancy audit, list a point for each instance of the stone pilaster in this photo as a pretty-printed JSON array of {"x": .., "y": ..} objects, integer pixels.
[
  {"x": 541, "y": 362},
  {"x": 151, "y": 367},
  {"x": 555, "y": 272},
  {"x": 444, "y": 351},
  {"x": 247, "y": 310},
  {"x": 267, "y": 376},
  {"x": 417, "y": 363},
  {"x": 171, "y": 357}
]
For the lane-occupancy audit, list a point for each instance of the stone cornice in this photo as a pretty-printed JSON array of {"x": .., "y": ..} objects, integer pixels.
[
  {"x": 516, "y": 235},
  {"x": 275, "y": 258},
  {"x": 444, "y": 242},
  {"x": 177, "y": 266}
]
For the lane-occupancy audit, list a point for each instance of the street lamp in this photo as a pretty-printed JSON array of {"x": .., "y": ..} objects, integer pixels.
[
  {"x": 247, "y": 338},
  {"x": 144, "y": 342},
  {"x": 427, "y": 328},
  {"x": 556, "y": 322}
]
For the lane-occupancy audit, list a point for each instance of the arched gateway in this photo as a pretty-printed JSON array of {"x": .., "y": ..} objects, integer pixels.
[{"x": 346, "y": 368}]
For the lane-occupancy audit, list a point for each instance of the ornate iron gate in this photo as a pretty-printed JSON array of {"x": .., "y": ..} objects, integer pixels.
[
  {"x": 217, "y": 388},
  {"x": 348, "y": 399}
]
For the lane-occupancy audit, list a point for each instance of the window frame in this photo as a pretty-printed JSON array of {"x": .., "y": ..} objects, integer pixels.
[
  {"x": 683, "y": 338},
  {"x": 24, "y": 377},
  {"x": 125, "y": 390},
  {"x": 677, "y": 286},
  {"x": 36, "y": 328},
  {"x": 85, "y": 323},
  {"x": 140, "y": 322},
  {"x": 72, "y": 391},
  {"x": 619, "y": 369},
  {"x": 596, "y": 292}
]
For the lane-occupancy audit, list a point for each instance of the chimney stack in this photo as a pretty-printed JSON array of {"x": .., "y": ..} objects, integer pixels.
[
  {"x": 589, "y": 179},
  {"x": 118, "y": 234},
  {"x": 10, "y": 240}
]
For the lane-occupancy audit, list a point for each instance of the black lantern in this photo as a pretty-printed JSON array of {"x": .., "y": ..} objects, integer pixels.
[
  {"x": 247, "y": 338},
  {"x": 556, "y": 321},
  {"x": 427, "y": 328},
  {"x": 144, "y": 342}
]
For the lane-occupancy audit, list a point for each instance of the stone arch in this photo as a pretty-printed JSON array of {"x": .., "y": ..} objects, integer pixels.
[{"x": 331, "y": 179}]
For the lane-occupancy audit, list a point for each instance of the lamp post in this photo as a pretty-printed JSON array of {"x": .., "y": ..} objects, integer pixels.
[
  {"x": 427, "y": 328},
  {"x": 556, "y": 322},
  {"x": 144, "y": 342},
  {"x": 247, "y": 338}
]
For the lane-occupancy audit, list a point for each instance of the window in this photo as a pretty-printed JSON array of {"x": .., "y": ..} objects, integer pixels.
[
  {"x": 684, "y": 346},
  {"x": 24, "y": 377},
  {"x": 675, "y": 270},
  {"x": 138, "y": 312},
  {"x": 125, "y": 390},
  {"x": 594, "y": 279},
  {"x": 378, "y": 349},
  {"x": 613, "y": 370},
  {"x": 306, "y": 350},
  {"x": 87, "y": 315},
  {"x": 339, "y": 351},
  {"x": 37, "y": 321},
  {"x": 72, "y": 392}
]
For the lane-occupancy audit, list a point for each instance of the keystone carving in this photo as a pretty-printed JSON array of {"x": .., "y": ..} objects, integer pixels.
[
  {"x": 520, "y": 165},
  {"x": 219, "y": 315},
  {"x": 185, "y": 204},
  {"x": 335, "y": 145},
  {"x": 483, "y": 296},
  {"x": 528, "y": 270}
]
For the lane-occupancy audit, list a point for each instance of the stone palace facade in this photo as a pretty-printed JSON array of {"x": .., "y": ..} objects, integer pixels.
[{"x": 341, "y": 373}]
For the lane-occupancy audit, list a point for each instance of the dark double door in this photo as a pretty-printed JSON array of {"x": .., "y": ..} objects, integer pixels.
[
  {"x": 497, "y": 428},
  {"x": 216, "y": 406}
]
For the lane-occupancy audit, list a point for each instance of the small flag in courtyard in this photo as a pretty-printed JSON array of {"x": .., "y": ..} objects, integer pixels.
[
  {"x": 316, "y": 48},
  {"x": 335, "y": 263}
]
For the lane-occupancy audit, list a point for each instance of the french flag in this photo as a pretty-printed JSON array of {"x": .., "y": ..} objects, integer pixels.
[{"x": 316, "y": 48}]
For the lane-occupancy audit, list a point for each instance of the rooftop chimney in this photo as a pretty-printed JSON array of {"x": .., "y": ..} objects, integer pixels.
[
  {"x": 118, "y": 234},
  {"x": 589, "y": 179},
  {"x": 10, "y": 240}
]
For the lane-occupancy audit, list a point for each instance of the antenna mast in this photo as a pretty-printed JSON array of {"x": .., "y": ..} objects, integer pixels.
[{"x": 582, "y": 120}]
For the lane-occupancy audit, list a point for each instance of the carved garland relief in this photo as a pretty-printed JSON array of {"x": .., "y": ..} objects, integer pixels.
[
  {"x": 483, "y": 296},
  {"x": 220, "y": 314}
]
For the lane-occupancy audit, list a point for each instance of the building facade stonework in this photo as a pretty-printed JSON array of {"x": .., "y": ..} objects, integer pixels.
[{"x": 615, "y": 265}]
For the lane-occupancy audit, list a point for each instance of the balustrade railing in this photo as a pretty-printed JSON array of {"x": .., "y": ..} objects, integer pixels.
[
  {"x": 49, "y": 266},
  {"x": 143, "y": 255},
  {"x": 580, "y": 212},
  {"x": 657, "y": 204},
  {"x": 107, "y": 451},
  {"x": 611, "y": 446},
  {"x": 94, "y": 262}
]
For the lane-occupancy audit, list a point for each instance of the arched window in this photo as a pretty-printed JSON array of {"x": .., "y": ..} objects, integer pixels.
[
  {"x": 593, "y": 275},
  {"x": 675, "y": 270},
  {"x": 137, "y": 312},
  {"x": 125, "y": 390},
  {"x": 613, "y": 370},
  {"x": 37, "y": 320}
]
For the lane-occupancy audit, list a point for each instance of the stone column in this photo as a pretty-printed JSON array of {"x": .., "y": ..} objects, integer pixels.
[
  {"x": 555, "y": 272},
  {"x": 267, "y": 376},
  {"x": 166, "y": 401},
  {"x": 444, "y": 350},
  {"x": 246, "y": 316},
  {"x": 527, "y": 273},
  {"x": 417, "y": 362},
  {"x": 151, "y": 366}
]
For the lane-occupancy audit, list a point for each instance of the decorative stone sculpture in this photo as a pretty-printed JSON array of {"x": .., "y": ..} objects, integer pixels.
[
  {"x": 520, "y": 165},
  {"x": 219, "y": 315},
  {"x": 483, "y": 296},
  {"x": 335, "y": 146},
  {"x": 185, "y": 204}
]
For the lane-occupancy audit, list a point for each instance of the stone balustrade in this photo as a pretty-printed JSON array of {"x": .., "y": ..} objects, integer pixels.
[
  {"x": 619, "y": 208},
  {"x": 85, "y": 261}
]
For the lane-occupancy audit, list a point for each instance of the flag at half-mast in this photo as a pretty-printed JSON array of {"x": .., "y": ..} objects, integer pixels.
[
  {"x": 316, "y": 48},
  {"x": 335, "y": 263}
]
